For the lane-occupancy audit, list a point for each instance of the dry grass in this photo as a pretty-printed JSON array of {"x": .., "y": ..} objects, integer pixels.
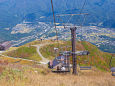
[
  {"x": 70, "y": 80},
  {"x": 16, "y": 61},
  {"x": 36, "y": 79},
  {"x": 20, "y": 75}
]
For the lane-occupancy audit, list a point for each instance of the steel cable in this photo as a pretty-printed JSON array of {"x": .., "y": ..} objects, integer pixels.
[{"x": 54, "y": 21}]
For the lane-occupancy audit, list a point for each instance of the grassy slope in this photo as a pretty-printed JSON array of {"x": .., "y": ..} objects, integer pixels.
[
  {"x": 26, "y": 51},
  {"x": 95, "y": 58},
  {"x": 13, "y": 74},
  {"x": 20, "y": 75},
  {"x": 4, "y": 59}
]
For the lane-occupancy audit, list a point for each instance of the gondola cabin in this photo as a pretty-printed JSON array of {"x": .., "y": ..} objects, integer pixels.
[{"x": 61, "y": 63}]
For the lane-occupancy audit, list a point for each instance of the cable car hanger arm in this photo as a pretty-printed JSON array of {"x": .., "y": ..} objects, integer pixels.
[{"x": 72, "y": 14}]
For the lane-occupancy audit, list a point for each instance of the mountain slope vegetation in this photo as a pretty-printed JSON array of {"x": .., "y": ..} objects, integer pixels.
[
  {"x": 25, "y": 52},
  {"x": 14, "y": 72},
  {"x": 96, "y": 57}
]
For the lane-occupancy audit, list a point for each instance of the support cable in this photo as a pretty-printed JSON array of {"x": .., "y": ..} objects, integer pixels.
[
  {"x": 82, "y": 8},
  {"x": 84, "y": 17},
  {"x": 71, "y": 15},
  {"x": 54, "y": 20}
]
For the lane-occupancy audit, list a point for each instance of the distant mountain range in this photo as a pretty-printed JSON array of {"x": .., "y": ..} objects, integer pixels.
[{"x": 12, "y": 12}]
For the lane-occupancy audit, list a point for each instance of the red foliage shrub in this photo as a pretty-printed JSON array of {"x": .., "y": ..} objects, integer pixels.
[
  {"x": 3, "y": 62},
  {"x": 1, "y": 69}
]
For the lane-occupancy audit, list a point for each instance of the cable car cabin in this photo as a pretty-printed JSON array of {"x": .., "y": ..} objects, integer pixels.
[
  {"x": 112, "y": 60},
  {"x": 1, "y": 47},
  {"x": 5, "y": 46},
  {"x": 113, "y": 71},
  {"x": 61, "y": 63}
]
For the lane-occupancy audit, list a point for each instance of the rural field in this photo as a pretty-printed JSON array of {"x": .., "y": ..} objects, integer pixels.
[{"x": 21, "y": 66}]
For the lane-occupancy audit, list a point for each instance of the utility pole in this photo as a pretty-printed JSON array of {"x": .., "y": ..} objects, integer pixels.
[{"x": 74, "y": 58}]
